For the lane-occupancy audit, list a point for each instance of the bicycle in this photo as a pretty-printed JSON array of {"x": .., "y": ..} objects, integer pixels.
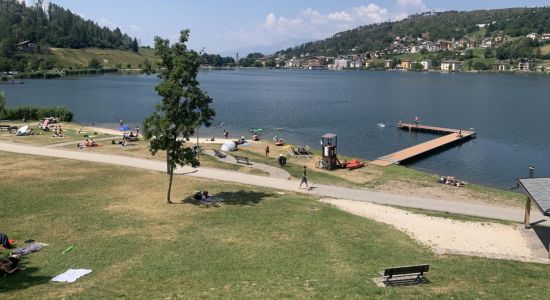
[{"x": 321, "y": 164}]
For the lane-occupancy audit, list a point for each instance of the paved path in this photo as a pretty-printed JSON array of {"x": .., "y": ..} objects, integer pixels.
[
  {"x": 473, "y": 209},
  {"x": 273, "y": 172}
]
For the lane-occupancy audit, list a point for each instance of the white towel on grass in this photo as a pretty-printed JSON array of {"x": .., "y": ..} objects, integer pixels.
[{"x": 71, "y": 275}]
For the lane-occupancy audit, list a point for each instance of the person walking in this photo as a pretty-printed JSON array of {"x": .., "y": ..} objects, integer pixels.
[
  {"x": 225, "y": 133},
  {"x": 137, "y": 130},
  {"x": 304, "y": 179},
  {"x": 416, "y": 120},
  {"x": 266, "y": 151}
]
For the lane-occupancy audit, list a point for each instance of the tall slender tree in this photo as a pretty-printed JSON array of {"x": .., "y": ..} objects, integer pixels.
[
  {"x": 183, "y": 107},
  {"x": 135, "y": 46}
]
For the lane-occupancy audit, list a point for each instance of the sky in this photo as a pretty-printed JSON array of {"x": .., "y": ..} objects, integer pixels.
[{"x": 220, "y": 25}]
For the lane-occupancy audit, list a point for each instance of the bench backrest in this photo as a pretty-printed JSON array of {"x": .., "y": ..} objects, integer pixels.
[{"x": 406, "y": 270}]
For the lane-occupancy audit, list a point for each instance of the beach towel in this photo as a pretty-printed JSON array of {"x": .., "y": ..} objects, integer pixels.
[
  {"x": 28, "y": 248},
  {"x": 71, "y": 275}
]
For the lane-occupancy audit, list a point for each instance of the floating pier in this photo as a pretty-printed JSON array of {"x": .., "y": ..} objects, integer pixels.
[{"x": 450, "y": 136}]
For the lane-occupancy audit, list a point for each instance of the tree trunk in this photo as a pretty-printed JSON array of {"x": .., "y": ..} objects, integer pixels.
[
  {"x": 171, "y": 173},
  {"x": 167, "y": 163}
]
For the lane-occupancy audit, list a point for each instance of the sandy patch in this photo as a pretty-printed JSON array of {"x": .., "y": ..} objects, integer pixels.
[
  {"x": 447, "y": 236},
  {"x": 90, "y": 129}
]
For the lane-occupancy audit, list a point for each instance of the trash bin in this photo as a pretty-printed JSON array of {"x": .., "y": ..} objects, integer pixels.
[{"x": 282, "y": 160}]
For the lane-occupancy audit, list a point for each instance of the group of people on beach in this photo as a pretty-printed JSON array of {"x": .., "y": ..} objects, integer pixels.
[
  {"x": 87, "y": 143},
  {"x": 58, "y": 132}
]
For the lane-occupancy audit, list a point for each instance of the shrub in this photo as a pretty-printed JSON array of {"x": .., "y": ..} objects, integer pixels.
[{"x": 29, "y": 112}]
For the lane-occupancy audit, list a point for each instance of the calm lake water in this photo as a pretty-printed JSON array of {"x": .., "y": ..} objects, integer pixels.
[{"x": 509, "y": 113}]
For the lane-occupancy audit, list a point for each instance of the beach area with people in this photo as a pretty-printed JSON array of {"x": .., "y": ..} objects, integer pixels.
[{"x": 275, "y": 151}]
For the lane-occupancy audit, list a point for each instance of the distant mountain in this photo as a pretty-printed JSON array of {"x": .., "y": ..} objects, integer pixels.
[
  {"x": 433, "y": 26},
  {"x": 264, "y": 49}
]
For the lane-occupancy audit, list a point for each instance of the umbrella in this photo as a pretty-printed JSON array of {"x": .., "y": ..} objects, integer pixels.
[
  {"x": 229, "y": 146},
  {"x": 22, "y": 131},
  {"x": 124, "y": 128}
]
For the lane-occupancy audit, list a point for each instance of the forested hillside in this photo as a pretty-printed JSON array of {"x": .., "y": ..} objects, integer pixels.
[
  {"x": 52, "y": 27},
  {"x": 442, "y": 25},
  {"x": 56, "y": 27}
]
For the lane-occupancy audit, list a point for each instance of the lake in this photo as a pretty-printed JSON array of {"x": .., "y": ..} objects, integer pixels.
[{"x": 509, "y": 113}]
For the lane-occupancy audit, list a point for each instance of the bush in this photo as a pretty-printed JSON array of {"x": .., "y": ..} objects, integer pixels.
[
  {"x": 29, "y": 112},
  {"x": 94, "y": 64},
  {"x": 480, "y": 66}
]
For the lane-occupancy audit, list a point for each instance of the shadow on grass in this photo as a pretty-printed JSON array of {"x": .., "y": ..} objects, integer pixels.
[
  {"x": 234, "y": 198},
  {"x": 21, "y": 279}
]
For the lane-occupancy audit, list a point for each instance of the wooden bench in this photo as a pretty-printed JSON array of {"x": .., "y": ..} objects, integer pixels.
[
  {"x": 406, "y": 275},
  {"x": 242, "y": 160},
  {"x": 219, "y": 154},
  {"x": 8, "y": 128}
]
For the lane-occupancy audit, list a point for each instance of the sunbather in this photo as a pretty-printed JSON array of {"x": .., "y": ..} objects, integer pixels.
[{"x": 10, "y": 264}]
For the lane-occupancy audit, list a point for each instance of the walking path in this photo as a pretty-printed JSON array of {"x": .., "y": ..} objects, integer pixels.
[
  {"x": 472, "y": 209},
  {"x": 273, "y": 172}
]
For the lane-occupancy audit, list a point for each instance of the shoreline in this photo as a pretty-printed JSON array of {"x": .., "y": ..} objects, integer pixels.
[
  {"x": 220, "y": 140},
  {"x": 61, "y": 74}
]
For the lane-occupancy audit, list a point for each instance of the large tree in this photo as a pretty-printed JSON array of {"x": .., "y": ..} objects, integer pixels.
[{"x": 184, "y": 106}]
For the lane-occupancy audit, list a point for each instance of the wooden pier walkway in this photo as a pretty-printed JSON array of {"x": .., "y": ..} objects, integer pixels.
[{"x": 450, "y": 136}]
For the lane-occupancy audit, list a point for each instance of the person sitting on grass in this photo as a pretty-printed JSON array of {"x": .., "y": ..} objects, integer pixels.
[{"x": 10, "y": 264}]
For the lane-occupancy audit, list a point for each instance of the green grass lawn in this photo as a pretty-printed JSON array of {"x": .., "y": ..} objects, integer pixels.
[
  {"x": 295, "y": 169},
  {"x": 259, "y": 245},
  {"x": 107, "y": 57}
]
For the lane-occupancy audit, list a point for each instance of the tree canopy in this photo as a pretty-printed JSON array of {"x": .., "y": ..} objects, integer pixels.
[
  {"x": 56, "y": 27},
  {"x": 184, "y": 106}
]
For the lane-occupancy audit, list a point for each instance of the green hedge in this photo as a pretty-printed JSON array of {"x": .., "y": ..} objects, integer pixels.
[
  {"x": 58, "y": 74},
  {"x": 29, "y": 112}
]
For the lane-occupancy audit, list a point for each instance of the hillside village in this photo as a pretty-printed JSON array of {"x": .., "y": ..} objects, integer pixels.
[{"x": 410, "y": 53}]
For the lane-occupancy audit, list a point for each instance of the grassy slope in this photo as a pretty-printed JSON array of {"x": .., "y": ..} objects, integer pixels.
[
  {"x": 258, "y": 245},
  {"x": 108, "y": 57}
]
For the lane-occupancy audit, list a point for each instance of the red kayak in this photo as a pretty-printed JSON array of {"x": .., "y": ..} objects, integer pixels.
[{"x": 353, "y": 164}]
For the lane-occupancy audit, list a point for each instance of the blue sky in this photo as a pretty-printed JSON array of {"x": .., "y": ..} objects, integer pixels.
[{"x": 218, "y": 25}]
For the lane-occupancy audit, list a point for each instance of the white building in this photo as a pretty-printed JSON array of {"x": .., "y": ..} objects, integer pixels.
[
  {"x": 293, "y": 63},
  {"x": 426, "y": 64},
  {"x": 356, "y": 64},
  {"x": 341, "y": 64},
  {"x": 533, "y": 36},
  {"x": 451, "y": 65}
]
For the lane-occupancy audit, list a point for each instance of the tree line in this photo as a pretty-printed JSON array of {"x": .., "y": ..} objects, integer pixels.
[{"x": 430, "y": 26}]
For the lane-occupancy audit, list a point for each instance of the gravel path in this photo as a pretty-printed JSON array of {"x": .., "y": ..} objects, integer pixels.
[
  {"x": 273, "y": 172},
  {"x": 456, "y": 207}
]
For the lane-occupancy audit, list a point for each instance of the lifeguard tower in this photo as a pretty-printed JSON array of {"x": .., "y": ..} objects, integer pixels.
[{"x": 329, "y": 141}]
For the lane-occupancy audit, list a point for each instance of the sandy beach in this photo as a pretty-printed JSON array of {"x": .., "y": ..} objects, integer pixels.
[{"x": 448, "y": 236}]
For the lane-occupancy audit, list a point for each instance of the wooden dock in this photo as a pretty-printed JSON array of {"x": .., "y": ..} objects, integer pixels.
[{"x": 450, "y": 136}]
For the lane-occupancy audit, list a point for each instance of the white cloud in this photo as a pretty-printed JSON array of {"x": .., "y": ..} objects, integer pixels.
[
  {"x": 134, "y": 27},
  {"x": 104, "y": 22},
  {"x": 312, "y": 24},
  {"x": 340, "y": 16},
  {"x": 411, "y": 3},
  {"x": 308, "y": 23},
  {"x": 408, "y": 7},
  {"x": 371, "y": 13}
]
